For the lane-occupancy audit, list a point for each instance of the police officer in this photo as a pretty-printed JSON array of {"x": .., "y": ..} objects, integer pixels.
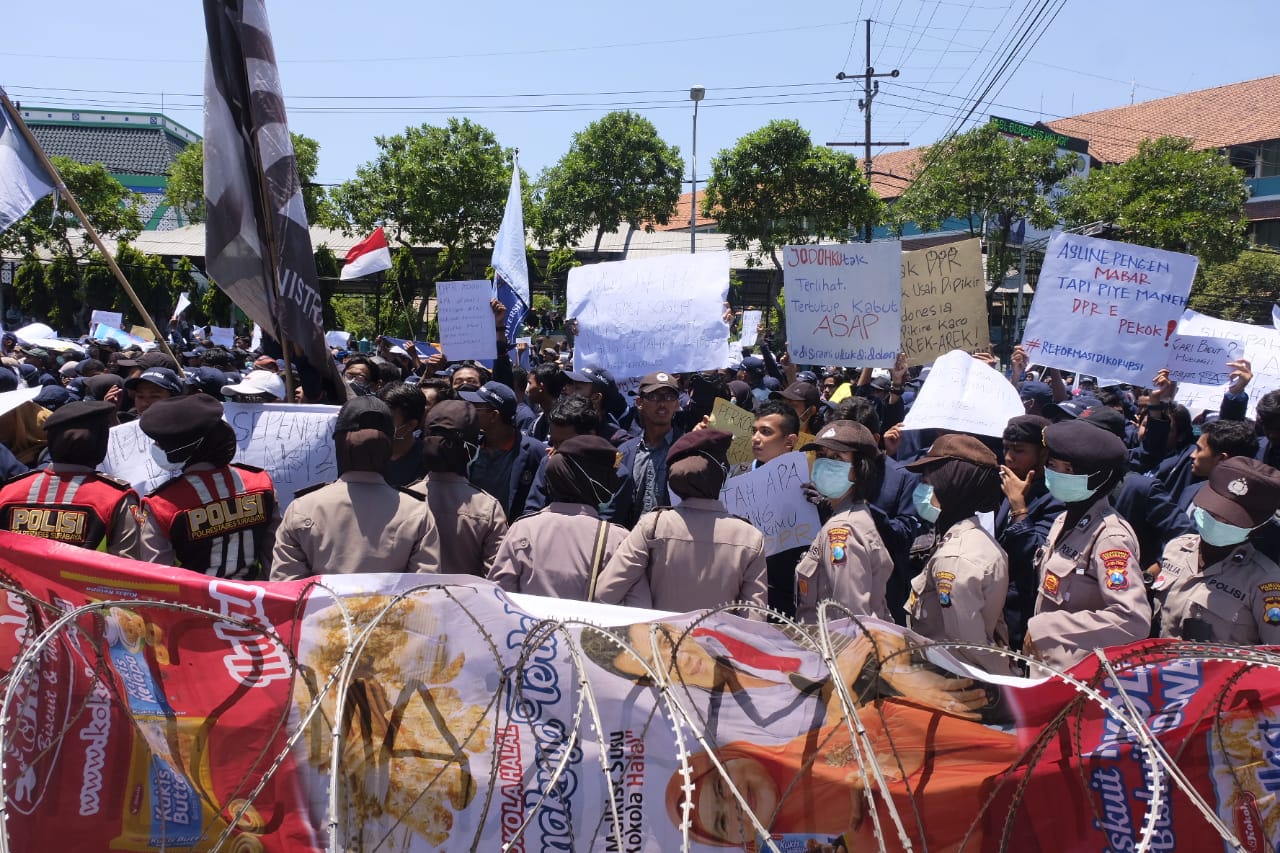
[
  {"x": 848, "y": 561},
  {"x": 469, "y": 521},
  {"x": 359, "y": 523},
  {"x": 1215, "y": 586},
  {"x": 1091, "y": 591},
  {"x": 69, "y": 501},
  {"x": 217, "y": 517},
  {"x": 961, "y": 592},
  {"x": 560, "y": 550},
  {"x": 693, "y": 556}
]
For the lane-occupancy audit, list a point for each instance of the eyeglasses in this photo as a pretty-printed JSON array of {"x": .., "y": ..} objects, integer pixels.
[{"x": 668, "y": 397}]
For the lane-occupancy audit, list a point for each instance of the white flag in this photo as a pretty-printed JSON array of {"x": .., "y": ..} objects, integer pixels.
[
  {"x": 23, "y": 178},
  {"x": 509, "y": 262}
]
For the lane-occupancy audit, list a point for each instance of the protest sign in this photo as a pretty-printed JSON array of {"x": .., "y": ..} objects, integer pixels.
[
  {"x": 965, "y": 395},
  {"x": 184, "y": 300},
  {"x": 1259, "y": 344},
  {"x": 944, "y": 301},
  {"x": 293, "y": 443},
  {"x": 172, "y": 710},
  {"x": 115, "y": 319},
  {"x": 1107, "y": 308},
  {"x": 771, "y": 498},
  {"x": 144, "y": 333},
  {"x": 1201, "y": 360},
  {"x": 120, "y": 336},
  {"x": 11, "y": 400},
  {"x": 467, "y": 328},
  {"x": 737, "y": 420},
  {"x": 750, "y": 328},
  {"x": 665, "y": 313},
  {"x": 222, "y": 336},
  {"x": 844, "y": 303},
  {"x": 33, "y": 332},
  {"x": 341, "y": 340}
]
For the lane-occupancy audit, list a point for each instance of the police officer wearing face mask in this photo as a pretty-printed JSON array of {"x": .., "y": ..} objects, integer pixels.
[
  {"x": 1091, "y": 592},
  {"x": 1215, "y": 586}
]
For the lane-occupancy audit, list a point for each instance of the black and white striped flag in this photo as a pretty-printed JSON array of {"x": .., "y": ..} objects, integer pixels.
[{"x": 257, "y": 246}]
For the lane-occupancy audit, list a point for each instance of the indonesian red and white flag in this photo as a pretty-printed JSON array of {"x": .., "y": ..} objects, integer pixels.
[{"x": 368, "y": 256}]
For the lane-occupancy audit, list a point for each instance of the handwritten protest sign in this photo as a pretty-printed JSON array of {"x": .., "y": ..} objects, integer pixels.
[
  {"x": 292, "y": 443},
  {"x": 771, "y": 497},
  {"x": 666, "y": 313},
  {"x": 223, "y": 336},
  {"x": 114, "y": 319},
  {"x": 1259, "y": 344},
  {"x": 1202, "y": 360},
  {"x": 844, "y": 303},
  {"x": 944, "y": 303},
  {"x": 466, "y": 320},
  {"x": 1107, "y": 308},
  {"x": 966, "y": 395},
  {"x": 341, "y": 340},
  {"x": 737, "y": 420},
  {"x": 750, "y": 328}
]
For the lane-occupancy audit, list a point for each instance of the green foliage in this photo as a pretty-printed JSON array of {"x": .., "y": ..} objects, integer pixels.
[
  {"x": 1243, "y": 289},
  {"x": 30, "y": 288},
  {"x": 541, "y": 303},
  {"x": 775, "y": 187},
  {"x": 110, "y": 207},
  {"x": 363, "y": 316},
  {"x": 617, "y": 169},
  {"x": 1168, "y": 196}
]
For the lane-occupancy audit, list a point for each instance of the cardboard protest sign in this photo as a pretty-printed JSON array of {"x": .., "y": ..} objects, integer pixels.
[
  {"x": 293, "y": 443},
  {"x": 737, "y": 420},
  {"x": 965, "y": 395},
  {"x": 771, "y": 498},
  {"x": 944, "y": 303},
  {"x": 844, "y": 303},
  {"x": 1107, "y": 308},
  {"x": 665, "y": 313},
  {"x": 115, "y": 319},
  {"x": 1202, "y": 360},
  {"x": 467, "y": 328},
  {"x": 1259, "y": 344}
]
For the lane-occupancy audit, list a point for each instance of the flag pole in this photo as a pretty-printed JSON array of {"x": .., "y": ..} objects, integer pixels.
[{"x": 60, "y": 186}]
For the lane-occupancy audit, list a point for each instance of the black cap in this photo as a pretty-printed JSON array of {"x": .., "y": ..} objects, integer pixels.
[
  {"x": 180, "y": 417},
  {"x": 160, "y": 376},
  {"x": 495, "y": 395},
  {"x": 1241, "y": 491},
  {"x": 713, "y": 442},
  {"x": 1073, "y": 408},
  {"x": 156, "y": 358},
  {"x": 805, "y": 392},
  {"x": 455, "y": 416},
  {"x": 83, "y": 413},
  {"x": 8, "y": 380},
  {"x": 364, "y": 413},
  {"x": 753, "y": 362},
  {"x": 1039, "y": 392},
  {"x": 1104, "y": 417},
  {"x": 1086, "y": 447}
]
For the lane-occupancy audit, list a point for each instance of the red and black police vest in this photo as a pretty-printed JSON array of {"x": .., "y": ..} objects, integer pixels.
[
  {"x": 76, "y": 508},
  {"x": 218, "y": 521}
]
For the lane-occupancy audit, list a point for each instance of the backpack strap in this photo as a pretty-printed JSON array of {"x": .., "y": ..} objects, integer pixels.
[{"x": 597, "y": 558}]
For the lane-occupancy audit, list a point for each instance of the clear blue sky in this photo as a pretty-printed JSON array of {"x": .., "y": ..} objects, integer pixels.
[{"x": 536, "y": 73}]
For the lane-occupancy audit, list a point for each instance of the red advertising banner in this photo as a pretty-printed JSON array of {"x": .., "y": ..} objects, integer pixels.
[{"x": 149, "y": 708}]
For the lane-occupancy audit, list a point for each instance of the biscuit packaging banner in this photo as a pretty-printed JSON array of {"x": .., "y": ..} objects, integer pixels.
[{"x": 149, "y": 709}]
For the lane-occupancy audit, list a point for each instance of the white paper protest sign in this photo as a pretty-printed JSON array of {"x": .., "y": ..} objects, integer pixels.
[
  {"x": 11, "y": 400},
  {"x": 111, "y": 333},
  {"x": 293, "y": 443},
  {"x": 750, "y": 328},
  {"x": 115, "y": 319},
  {"x": 1107, "y": 308},
  {"x": 965, "y": 395},
  {"x": 1260, "y": 345},
  {"x": 772, "y": 498},
  {"x": 223, "y": 336},
  {"x": 665, "y": 313},
  {"x": 33, "y": 332},
  {"x": 844, "y": 303},
  {"x": 467, "y": 329},
  {"x": 184, "y": 300},
  {"x": 944, "y": 301},
  {"x": 341, "y": 340},
  {"x": 1202, "y": 360}
]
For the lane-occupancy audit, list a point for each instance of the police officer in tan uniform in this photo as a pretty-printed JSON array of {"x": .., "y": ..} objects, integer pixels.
[
  {"x": 961, "y": 592},
  {"x": 693, "y": 556},
  {"x": 469, "y": 521},
  {"x": 359, "y": 523},
  {"x": 848, "y": 561},
  {"x": 1215, "y": 586},
  {"x": 1091, "y": 591},
  {"x": 560, "y": 549}
]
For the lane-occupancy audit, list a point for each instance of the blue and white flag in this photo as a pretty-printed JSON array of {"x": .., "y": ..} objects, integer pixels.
[
  {"x": 510, "y": 268},
  {"x": 23, "y": 178}
]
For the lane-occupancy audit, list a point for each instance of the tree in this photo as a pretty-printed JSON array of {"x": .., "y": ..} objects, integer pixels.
[
  {"x": 185, "y": 189},
  {"x": 1244, "y": 289},
  {"x": 990, "y": 181},
  {"x": 775, "y": 188},
  {"x": 1167, "y": 196},
  {"x": 616, "y": 170}
]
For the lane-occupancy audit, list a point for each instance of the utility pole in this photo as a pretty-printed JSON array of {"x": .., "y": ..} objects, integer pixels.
[{"x": 870, "y": 88}]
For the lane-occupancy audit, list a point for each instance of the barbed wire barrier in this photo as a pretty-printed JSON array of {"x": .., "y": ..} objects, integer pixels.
[{"x": 398, "y": 713}]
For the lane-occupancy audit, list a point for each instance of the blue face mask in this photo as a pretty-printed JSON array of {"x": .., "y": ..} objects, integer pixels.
[
  {"x": 831, "y": 477},
  {"x": 1068, "y": 488},
  {"x": 1218, "y": 533},
  {"x": 922, "y": 497}
]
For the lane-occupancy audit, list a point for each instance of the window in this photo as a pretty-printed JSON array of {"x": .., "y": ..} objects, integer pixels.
[
  {"x": 1270, "y": 159},
  {"x": 1244, "y": 158},
  {"x": 1266, "y": 233}
]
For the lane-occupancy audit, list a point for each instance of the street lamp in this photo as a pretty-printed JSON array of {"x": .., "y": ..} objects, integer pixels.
[{"x": 697, "y": 93}]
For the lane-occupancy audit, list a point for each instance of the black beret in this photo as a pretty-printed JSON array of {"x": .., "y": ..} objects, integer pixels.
[
  {"x": 1028, "y": 429},
  {"x": 99, "y": 385},
  {"x": 452, "y": 416},
  {"x": 364, "y": 413},
  {"x": 85, "y": 414},
  {"x": 1241, "y": 491},
  {"x": 1086, "y": 447},
  {"x": 1104, "y": 417},
  {"x": 589, "y": 450},
  {"x": 179, "y": 417},
  {"x": 956, "y": 445},
  {"x": 713, "y": 442}
]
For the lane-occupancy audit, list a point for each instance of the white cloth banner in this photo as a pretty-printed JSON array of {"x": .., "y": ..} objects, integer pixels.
[
  {"x": 965, "y": 395},
  {"x": 292, "y": 443},
  {"x": 1259, "y": 344},
  {"x": 666, "y": 313},
  {"x": 1107, "y": 309},
  {"x": 114, "y": 319},
  {"x": 467, "y": 329},
  {"x": 844, "y": 303},
  {"x": 23, "y": 178},
  {"x": 772, "y": 498}
]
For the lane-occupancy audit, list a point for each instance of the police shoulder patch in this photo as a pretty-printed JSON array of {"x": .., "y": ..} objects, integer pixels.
[
  {"x": 122, "y": 485},
  {"x": 1115, "y": 563},
  {"x": 309, "y": 489},
  {"x": 836, "y": 539},
  {"x": 254, "y": 468},
  {"x": 1271, "y": 610},
  {"x": 404, "y": 490}
]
